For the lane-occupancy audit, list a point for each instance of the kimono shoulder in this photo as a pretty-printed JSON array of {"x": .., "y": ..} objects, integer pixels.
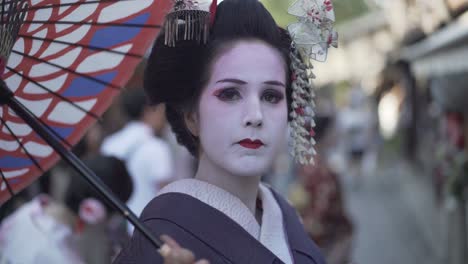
[{"x": 207, "y": 232}]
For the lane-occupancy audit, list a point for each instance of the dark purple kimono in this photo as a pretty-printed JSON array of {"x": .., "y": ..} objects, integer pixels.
[{"x": 212, "y": 235}]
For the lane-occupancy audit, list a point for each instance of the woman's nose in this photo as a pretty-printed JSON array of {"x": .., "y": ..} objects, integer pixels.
[{"x": 253, "y": 113}]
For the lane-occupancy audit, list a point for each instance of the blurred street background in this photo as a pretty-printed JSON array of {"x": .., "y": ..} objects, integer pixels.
[
  {"x": 390, "y": 184},
  {"x": 398, "y": 82}
]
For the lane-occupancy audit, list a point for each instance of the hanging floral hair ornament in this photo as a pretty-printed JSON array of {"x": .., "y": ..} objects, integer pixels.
[
  {"x": 311, "y": 37},
  {"x": 196, "y": 22}
]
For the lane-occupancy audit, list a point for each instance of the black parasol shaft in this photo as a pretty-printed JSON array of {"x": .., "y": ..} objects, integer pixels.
[{"x": 7, "y": 97}]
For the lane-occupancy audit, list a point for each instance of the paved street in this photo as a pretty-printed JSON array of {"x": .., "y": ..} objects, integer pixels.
[{"x": 386, "y": 229}]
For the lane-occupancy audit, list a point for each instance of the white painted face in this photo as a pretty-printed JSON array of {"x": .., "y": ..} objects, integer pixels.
[{"x": 242, "y": 115}]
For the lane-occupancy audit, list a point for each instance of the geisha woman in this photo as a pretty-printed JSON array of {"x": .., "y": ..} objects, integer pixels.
[{"x": 231, "y": 80}]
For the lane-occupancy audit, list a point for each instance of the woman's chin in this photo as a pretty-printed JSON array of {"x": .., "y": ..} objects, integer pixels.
[{"x": 250, "y": 167}]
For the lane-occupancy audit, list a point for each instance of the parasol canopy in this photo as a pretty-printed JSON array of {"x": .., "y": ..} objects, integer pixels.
[{"x": 64, "y": 61}]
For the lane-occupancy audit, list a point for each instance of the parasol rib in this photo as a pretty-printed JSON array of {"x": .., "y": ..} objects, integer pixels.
[
  {"x": 83, "y": 46},
  {"x": 54, "y": 22},
  {"x": 6, "y": 183},
  {"x": 38, "y": 7},
  {"x": 21, "y": 145},
  {"x": 110, "y": 85},
  {"x": 48, "y": 127},
  {"x": 56, "y": 94}
]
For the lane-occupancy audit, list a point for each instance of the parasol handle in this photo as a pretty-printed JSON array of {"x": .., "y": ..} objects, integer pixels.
[{"x": 7, "y": 97}]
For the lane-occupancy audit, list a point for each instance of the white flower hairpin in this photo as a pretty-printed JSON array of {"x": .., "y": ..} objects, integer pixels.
[
  {"x": 311, "y": 37},
  {"x": 313, "y": 33}
]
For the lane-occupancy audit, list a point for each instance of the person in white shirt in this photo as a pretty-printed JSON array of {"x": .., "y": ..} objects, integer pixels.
[{"x": 147, "y": 157}]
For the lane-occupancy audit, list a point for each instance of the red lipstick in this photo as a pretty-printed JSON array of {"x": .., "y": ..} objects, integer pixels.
[{"x": 248, "y": 143}]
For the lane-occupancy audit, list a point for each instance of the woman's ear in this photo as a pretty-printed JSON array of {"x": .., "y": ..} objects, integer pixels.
[{"x": 191, "y": 121}]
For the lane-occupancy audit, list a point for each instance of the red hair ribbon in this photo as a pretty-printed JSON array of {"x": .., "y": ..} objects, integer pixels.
[{"x": 213, "y": 7}]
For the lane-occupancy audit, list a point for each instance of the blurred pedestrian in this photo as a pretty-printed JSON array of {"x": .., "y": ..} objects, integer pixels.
[
  {"x": 148, "y": 158},
  {"x": 47, "y": 231},
  {"x": 318, "y": 196},
  {"x": 356, "y": 125}
]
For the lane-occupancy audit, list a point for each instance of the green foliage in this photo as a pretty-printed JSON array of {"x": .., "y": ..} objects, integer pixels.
[
  {"x": 348, "y": 9},
  {"x": 279, "y": 10}
]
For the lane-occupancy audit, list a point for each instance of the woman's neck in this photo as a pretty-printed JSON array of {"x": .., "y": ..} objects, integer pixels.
[{"x": 243, "y": 187}]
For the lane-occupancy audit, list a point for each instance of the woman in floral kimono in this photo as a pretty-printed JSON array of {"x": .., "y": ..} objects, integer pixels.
[{"x": 227, "y": 99}]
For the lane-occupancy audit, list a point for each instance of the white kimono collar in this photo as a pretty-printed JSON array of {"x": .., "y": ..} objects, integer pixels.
[{"x": 271, "y": 233}]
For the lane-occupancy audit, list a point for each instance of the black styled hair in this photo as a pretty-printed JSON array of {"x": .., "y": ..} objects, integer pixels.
[
  {"x": 111, "y": 171},
  {"x": 133, "y": 102},
  {"x": 176, "y": 75}
]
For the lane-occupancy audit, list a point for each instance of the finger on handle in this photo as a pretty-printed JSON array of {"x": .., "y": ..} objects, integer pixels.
[
  {"x": 174, "y": 253},
  {"x": 202, "y": 261},
  {"x": 170, "y": 241}
]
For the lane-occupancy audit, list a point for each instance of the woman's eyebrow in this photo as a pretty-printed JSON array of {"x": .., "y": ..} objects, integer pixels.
[
  {"x": 275, "y": 83},
  {"x": 240, "y": 82},
  {"x": 231, "y": 80}
]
